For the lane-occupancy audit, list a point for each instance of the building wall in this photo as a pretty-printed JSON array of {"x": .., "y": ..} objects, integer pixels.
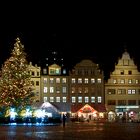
[
  {"x": 122, "y": 90},
  {"x": 86, "y": 84},
  {"x": 35, "y": 80}
]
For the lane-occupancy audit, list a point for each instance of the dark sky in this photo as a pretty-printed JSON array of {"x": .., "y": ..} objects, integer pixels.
[{"x": 79, "y": 33}]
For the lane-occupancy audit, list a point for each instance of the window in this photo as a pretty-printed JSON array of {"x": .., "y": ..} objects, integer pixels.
[
  {"x": 86, "y": 90},
  {"x": 45, "y": 80},
  {"x": 58, "y": 99},
  {"x": 37, "y": 83},
  {"x": 80, "y": 80},
  {"x": 45, "y": 99},
  {"x": 99, "y": 80},
  {"x": 45, "y": 89},
  {"x": 122, "y": 72},
  {"x": 64, "y": 100},
  {"x": 73, "y": 81},
  {"x": 64, "y": 80},
  {"x": 122, "y": 81},
  {"x": 80, "y": 99},
  {"x": 79, "y": 90},
  {"x": 51, "y": 80},
  {"x": 99, "y": 99},
  {"x": 92, "y": 99},
  {"x": 86, "y": 99},
  {"x": 73, "y": 90},
  {"x": 64, "y": 89},
  {"x": 57, "y": 89},
  {"x": 131, "y": 91},
  {"x": 111, "y": 102},
  {"x": 51, "y": 99},
  {"x": 129, "y": 72},
  {"x": 121, "y": 102},
  {"x": 137, "y": 81},
  {"x": 33, "y": 73},
  {"x": 121, "y": 91},
  {"x": 38, "y": 74},
  {"x": 92, "y": 80},
  {"x": 57, "y": 80},
  {"x": 32, "y": 82},
  {"x": 51, "y": 89},
  {"x": 44, "y": 71},
  {"x": 73, "y": 99},
  {"x": 115, "y": 81},
  {"x": 86, "y": 80},
  {"x": 131, "y": 102},
  {"x": 111, "y": 91},
  {"x": 129, "y": 81}
]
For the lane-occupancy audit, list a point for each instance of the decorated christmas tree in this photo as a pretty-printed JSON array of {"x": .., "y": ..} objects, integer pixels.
[{"x": 15, "y": 85}]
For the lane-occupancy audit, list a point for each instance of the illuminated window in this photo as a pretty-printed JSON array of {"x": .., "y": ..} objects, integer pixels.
[
  {"x": 57, "y": 80},
  {"x": 115, "y": 81},
  {"x": 92, "y": 99},
  {"x": 45, "y": 80},
  {"x": 99, "y": 99},
  {"x": 137, "y": 81},
  {"x": 111, "y": 91},
  {"x": 121, "y": 91},
  {"x": 99, "y": 80},
  {"x": 122, "y": 81},
  {"x": 86, "y": 80},
  {"x": 73, "y": 90},
  {"x": 45, "y": 89},
  {"x": 51, "y": 99},
  {"x": 64, "y": 99},
  {"x": 57, "y": 99},
  {"x": 64, "y": 89},
  {"x": 129, "y": 81},
  {"x": 51, "y": 80},
  {"x": 51, "y": 89},
  {"x": 86, "y": 99},
  {"x": 73, "y": 80},
  {"x": 79, "y": 90},
  {"x": 79, "y": 80},
  {"x": 80, "y": 99},
  {"x": 133, "y": 91},
  {"x": 73, "y": 99},
  {"x": 45, "y": 99},
  {"x": 64, "y": 80},
  {"x": 57, "y": 89},
  {"x": 86, "y": 90},
  {"x": 92, "y": 80}
]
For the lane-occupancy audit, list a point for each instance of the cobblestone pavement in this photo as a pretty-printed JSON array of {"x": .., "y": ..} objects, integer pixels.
[{"x": 72, "y": 131}]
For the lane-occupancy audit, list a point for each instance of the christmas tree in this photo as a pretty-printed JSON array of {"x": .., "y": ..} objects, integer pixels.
[{"x": 15, "y": 84}]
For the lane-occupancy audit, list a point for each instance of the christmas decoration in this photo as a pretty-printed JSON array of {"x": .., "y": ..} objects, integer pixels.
[{"x": 15, "y": 84}]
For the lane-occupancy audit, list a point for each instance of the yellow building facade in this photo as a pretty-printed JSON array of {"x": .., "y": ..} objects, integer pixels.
[{"x": 122, "y": 90}]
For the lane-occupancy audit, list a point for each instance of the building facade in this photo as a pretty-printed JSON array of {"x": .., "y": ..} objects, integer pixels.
[
  {"x": 54, "y": 87},
  {"x": 35, "y": 80},
  {"x": 122, "y": 90},
  {"x": 86, "y": 89}
]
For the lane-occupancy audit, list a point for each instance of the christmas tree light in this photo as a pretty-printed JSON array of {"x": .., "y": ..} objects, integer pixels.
[{"x": 15, "y": 84}]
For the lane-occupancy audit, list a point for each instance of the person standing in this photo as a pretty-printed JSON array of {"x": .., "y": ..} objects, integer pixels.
[{"x": 64, "y": 120}]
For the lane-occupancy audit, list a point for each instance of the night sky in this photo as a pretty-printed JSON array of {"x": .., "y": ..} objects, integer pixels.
[{"x": 75, "y": 34}]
